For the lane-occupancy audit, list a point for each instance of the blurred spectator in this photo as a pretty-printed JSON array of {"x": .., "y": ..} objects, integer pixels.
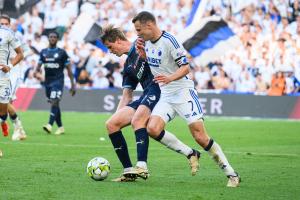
[
  {"x": 278, "y": 84},
  {"x": 269, "y": 32}
]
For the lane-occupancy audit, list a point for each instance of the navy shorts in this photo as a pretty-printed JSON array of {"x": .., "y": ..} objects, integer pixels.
[
  {"x": 149, "y": 97},
  {"x": 54, "y": 90}
]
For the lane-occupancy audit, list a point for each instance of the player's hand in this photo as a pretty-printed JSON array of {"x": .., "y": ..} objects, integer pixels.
[
  {"x": 140, "y": 47},
  {"x": 162, "y": 79},
  {"x": 4, "y": 68},
  {"x": 73, "y": 90}
]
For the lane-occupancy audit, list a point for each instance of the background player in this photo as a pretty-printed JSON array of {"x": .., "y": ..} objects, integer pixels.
[
  {"x": 8, "y": 41},
  {"x": 15, "y": 78},
  {"x": 55, "y": 60},
  {"x": 169, "y": 65},
  {"x": 137, "y": 113}
]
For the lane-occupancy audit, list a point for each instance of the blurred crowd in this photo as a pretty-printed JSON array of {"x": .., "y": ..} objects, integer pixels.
[{"x": 267, "y": 62}]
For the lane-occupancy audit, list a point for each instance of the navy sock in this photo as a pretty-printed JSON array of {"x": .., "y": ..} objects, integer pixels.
[
  {"x": 120, "y": 146},
  {"x": 3, "y": 117},
  {"x": 58, "y": 118},
  {"x": 161, "y": 135},
  {"x": 53, "y": 114},
  {"x": 142, "y": 144},
  {"x": 13, "y": 117}
]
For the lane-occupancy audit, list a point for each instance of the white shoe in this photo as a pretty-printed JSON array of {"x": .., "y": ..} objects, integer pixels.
[
  {"x": 142, "y": 172},
  {"x": 19, "y": 134},
  {"x": 234, "y": 181},
  {"x": 60, "y": 131},
  {"x": 1, "y": 154},
  {"x": 47, "y": 128}
]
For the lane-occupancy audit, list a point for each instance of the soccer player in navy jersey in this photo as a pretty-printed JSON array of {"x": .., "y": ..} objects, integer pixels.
[
  {"x": 168, "y": 63},
  {"x": 136, "y": 113},
  {"x": 55, "y": 60}
]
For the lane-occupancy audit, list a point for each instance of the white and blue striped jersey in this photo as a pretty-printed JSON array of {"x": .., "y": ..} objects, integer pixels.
[
  {"x": 165, "y": 56},
  {"x": 8, "y": 41}
]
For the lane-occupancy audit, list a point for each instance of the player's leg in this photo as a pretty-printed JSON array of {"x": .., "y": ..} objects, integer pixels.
[
  {"x": 139, "y": 123},
  {"x": 19, "y": 132},
  {"x": 60, "y": 130},
  {"x": 5, "y": 90},
  {"x": 191, "y": 111},
  {"x": 114, "y": 125},
  {"x": 3, "y": 117},
  {"x": 163, "y": 113},
  {"x": 54, "y": 94}
]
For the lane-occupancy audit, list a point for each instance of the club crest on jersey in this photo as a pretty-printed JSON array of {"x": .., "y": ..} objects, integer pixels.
[{"x": 159, "y": 53}]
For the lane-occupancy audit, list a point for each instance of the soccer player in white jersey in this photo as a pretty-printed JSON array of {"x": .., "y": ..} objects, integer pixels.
[
  {"x": 7, "y": 40},
  {"x": 16, "y": 79},
  {"x": 169, "y": 66}
]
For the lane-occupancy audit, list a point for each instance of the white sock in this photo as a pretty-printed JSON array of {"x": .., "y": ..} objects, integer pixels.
[
  {"x": 219, "y": 157},
  {"x": 172, "y": 142},
  {"x": 128, "y": 169},
  {"x": 17, "y": 122},
  {"x": 141, "y": 164}
]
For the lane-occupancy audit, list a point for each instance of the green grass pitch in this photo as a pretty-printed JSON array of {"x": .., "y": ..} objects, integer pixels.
[{"x": 266, "y": 153}]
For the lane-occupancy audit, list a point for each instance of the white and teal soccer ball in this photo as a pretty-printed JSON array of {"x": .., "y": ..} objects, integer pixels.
[{"x": 98, "y": 168}]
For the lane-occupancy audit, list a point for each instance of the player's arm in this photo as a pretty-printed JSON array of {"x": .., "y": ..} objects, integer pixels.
[
  {"x": 70, "y": 74},
  {"x": 140, "y": 47},
  {"x": 126, "y": 98},
  {"x": 19, "y": 57},
  {"x": 14, "y": 61},
  {"x": 180, "y": 72}
]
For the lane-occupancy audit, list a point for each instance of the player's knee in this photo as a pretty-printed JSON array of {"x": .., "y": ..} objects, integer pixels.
[
  {"x": 111, "y": 126},
  {"x": 153, "y": 129},
  {"x": 137, "y": 123}
]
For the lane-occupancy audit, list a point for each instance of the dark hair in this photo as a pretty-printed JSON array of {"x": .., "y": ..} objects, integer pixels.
[
  {"x": 54, "y": 32},
  {"x": 111, "y": 34},
  {"x": 144, "y": 17},
  {"x": 4, "y": 16}
]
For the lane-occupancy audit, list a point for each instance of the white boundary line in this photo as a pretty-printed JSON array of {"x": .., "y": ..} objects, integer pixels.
[{"x": 110, "y": 146}]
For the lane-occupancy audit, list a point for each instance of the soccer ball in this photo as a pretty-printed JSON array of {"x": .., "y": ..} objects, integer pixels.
[{"x": 98, "y": 168}]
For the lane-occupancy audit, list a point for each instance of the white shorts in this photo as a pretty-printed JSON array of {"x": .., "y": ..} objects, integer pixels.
[
  {"x": 16, "y": 80},
  {"x": 185, "y": 103},
  {"x": 15, "y": 83},
  {"x": 5, "y": 91}
]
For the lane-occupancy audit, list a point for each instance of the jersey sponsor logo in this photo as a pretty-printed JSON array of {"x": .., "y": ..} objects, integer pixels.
[
  {"x": 56, "y": 55},
  {"x": 141, "y": 71},
  {"x": 51, "y": 65},
  {"x": 155, "y": 62}
]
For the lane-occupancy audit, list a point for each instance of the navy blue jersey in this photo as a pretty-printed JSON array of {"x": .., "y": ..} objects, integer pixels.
[
  {"x": 54, "y": 60},
  {"x": 136, "y": 70}
]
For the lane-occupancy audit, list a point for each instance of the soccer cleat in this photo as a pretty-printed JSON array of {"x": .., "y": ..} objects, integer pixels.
[
  {"x": 1, "y": 154},
  {"x": 126, "y": 177},
  {"x": 142, "y": 173},
  {"x": 19, "y": 134},
  {"x": 60, "y": 131},
  {"x": 5, "y": 129},
  {"x": 234, "y": 181},
  {"x": 47, "y": 128},
  {"x": 194, "y": 162}
]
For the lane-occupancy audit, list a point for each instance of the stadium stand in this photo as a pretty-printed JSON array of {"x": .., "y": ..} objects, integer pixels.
[{"x": 269, "y": 32}]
